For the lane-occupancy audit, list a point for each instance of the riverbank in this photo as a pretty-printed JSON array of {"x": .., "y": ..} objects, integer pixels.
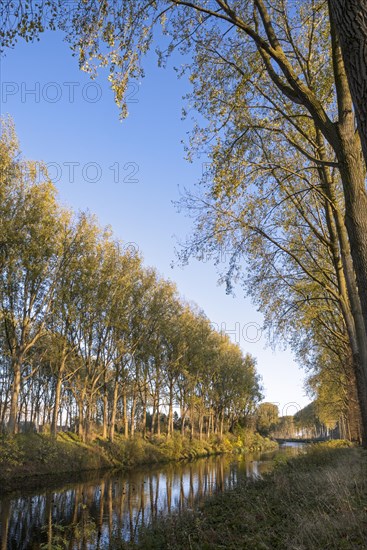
[
  {"x": 315, "y": 501},
  {"x": 31, "y": 459}
]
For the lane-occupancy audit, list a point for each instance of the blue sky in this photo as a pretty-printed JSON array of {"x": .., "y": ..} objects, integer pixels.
[{"x": 128, "y": 173}]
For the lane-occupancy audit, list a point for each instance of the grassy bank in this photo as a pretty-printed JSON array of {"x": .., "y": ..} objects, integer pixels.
[
  {"x": 30, "y": 458},
  {"x": 316, "y": 501}
]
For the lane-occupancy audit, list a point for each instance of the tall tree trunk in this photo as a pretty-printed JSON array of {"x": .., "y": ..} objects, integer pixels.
[
  {"x": 15, "y": 390},
  {"x": 56, "y": 407},
  {"x": 350, "y": 18},
  {"x": 154, "y": 416},
  {"x": 105, "y": 414},
  {"x": 111, "y": 434},
  {"x": 353, "y": 409},
  {"x": 4, "y": 409},
  {"x": 192, "y": 422},
  {"x": 126, "y": 416},
  {"x": 144, "y": 412},
  {"x": 158, "y": 419},
  {"x": 201, "y": 421},
  {"x": 158, "y": 396},
  {"x": 210, "y": 423},
  {"x": 183, "y": 419},
  {"x": 170, "y": 410},
  {"x": 87, "y": 419},
  {"x": 133, "y": 409},
  {"x": 80, "y": 418},
  {"x": 355, "y": 215},
  {"x": 221, "y": 423}
]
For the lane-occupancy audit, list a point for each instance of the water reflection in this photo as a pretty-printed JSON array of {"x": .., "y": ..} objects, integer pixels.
[{"x": 99, "y": 512}]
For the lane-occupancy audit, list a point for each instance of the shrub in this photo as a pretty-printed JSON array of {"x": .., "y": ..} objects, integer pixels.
[{"x": 11, "y": 452}]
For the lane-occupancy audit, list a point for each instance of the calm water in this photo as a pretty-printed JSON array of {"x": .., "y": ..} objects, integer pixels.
[{"x": 100, "y": 512}]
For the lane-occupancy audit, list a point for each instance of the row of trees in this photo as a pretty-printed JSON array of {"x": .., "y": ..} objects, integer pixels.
[
  {"x": 89, "y": 336},
  {"x": 318, "y": 420},
  {"x": 286, "y": 189},
  {"x": 286, "y": 192}
]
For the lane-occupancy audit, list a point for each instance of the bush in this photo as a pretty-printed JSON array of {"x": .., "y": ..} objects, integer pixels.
[{"x": 11, "y": 452}]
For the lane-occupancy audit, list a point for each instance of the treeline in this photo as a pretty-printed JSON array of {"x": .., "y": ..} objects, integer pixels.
[
  {"x": 91, "y": 340},
  {"x": 273, "y": 200},
  {"x": 317, "y": 420}
]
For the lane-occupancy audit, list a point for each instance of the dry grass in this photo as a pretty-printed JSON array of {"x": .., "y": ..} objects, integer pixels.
[{"x": 313, "y": 502}]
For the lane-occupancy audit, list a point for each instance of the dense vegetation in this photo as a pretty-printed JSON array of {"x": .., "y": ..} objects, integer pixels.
[
  {"x": 90, "y": 340},
  {"x": 315, "y": 501}
]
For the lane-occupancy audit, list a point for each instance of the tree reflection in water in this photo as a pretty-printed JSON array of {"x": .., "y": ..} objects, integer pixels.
[{"x": 92, "y": 513}]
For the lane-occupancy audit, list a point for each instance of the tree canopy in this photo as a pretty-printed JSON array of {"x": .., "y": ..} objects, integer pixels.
[
  {"x": 285, "y": 192},
  {"x": 93, "y": 340}
]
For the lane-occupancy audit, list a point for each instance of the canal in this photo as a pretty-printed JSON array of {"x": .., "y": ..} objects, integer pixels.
[{"x": 102, "y": 510}]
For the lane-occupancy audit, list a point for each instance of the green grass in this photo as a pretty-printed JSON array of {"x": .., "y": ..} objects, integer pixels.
[
  {"x": 28, "y": 456},
  {"x": 25, "y": 458},
  {"x": 317, "y": 501},
  {"x": 157, "y": 449}
]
